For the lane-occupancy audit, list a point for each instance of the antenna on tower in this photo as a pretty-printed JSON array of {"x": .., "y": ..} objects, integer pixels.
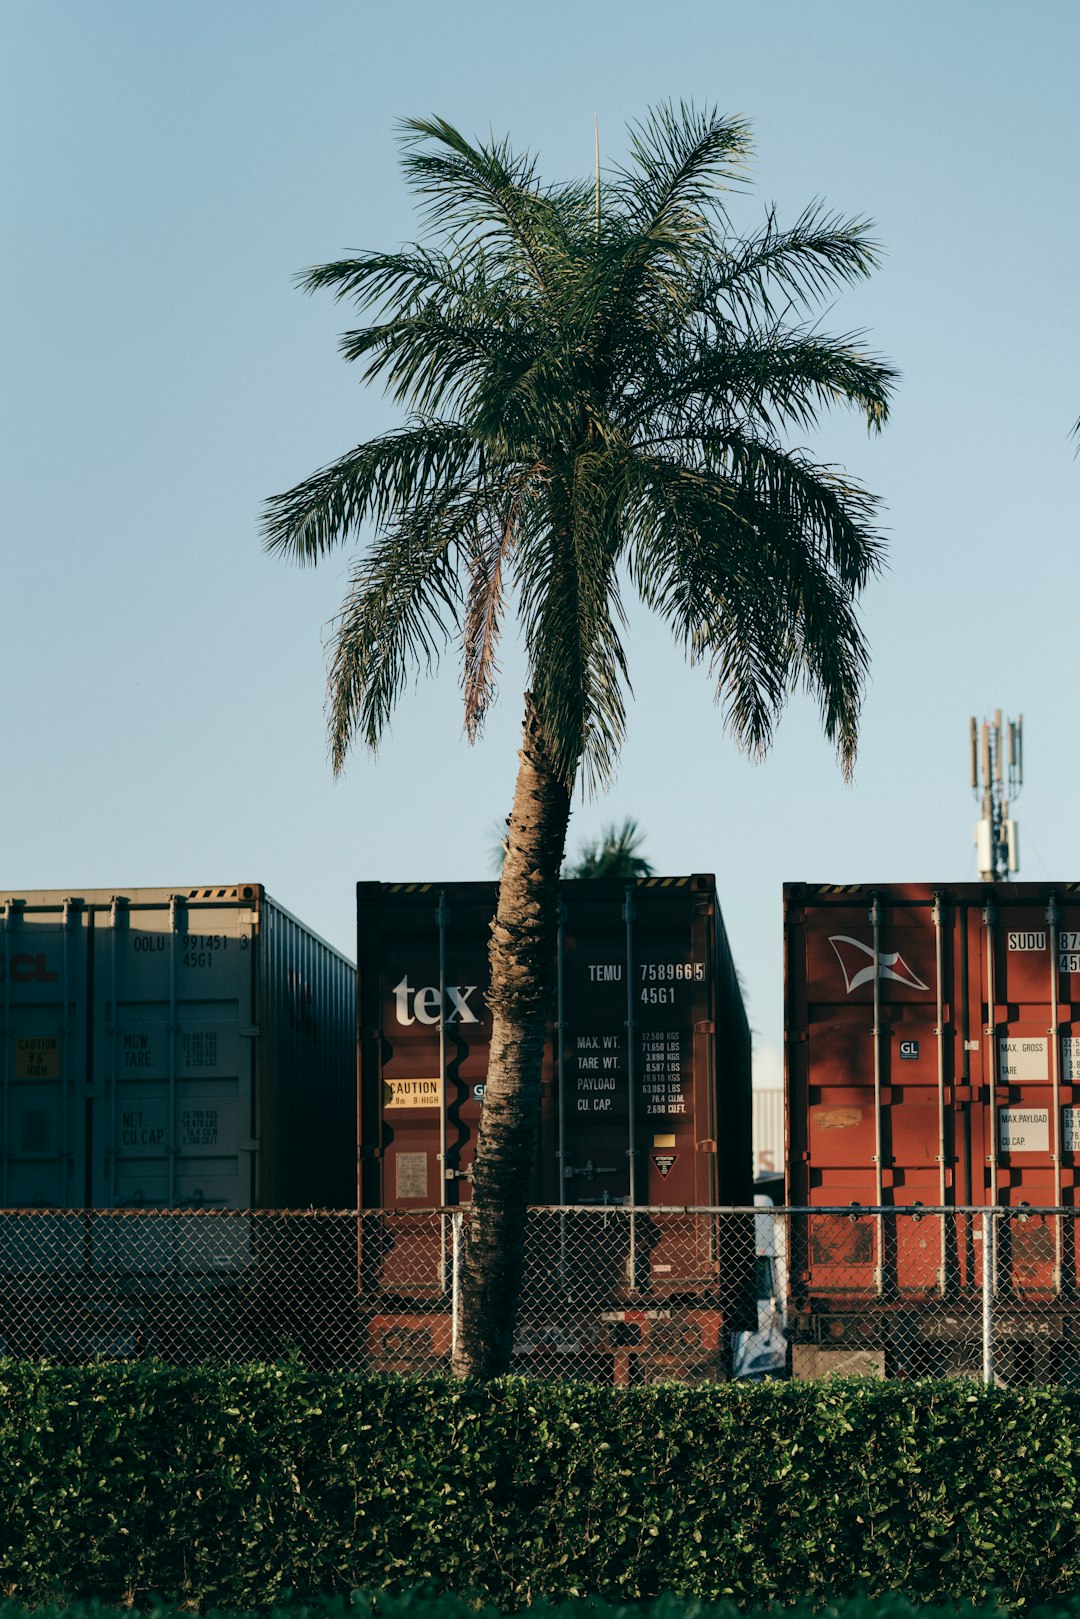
[{"x": 996, "y": 750}]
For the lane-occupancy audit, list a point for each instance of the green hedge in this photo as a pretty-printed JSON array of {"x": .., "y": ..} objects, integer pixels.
[
  {"x": 428, "y": 1605},
  {"x": 231, "y": 1486},
  {"x": 425, "y": 1604}
]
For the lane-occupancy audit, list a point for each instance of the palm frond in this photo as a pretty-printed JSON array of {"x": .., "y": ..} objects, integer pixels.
[
  {"x": 402, "y": 605},
  {"x": 486, "y": 194},
  {"x": 400, "y": 280},
  {"x": 649, "y": 249},
  {"x": 784, "y": 378},
  {"x": 572, "y": 617},
  {"x": 383, "y": 476},
  {"x": 427, "y": 360},
  {"x": 829, "y": 513},
  {"x": 769, "y": 377},
  {"x": 681, "y": 160},
  {"x": 804, "y": 263},
  {"x": 757, "y": 570},
  {"x": 487, "y": 564}
]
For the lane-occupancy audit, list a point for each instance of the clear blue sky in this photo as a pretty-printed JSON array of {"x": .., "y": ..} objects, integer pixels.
[{"x": 168, "y": 167}]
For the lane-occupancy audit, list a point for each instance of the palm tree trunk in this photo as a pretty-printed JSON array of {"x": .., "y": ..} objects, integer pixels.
[{"x": 522, "y": 954}]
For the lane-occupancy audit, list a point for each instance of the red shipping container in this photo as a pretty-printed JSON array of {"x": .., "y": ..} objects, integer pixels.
[
  {"x": 933, "y": 1057},
  {"x": 646, "y": 1076},
  {"x": 648, "y": 1007}
]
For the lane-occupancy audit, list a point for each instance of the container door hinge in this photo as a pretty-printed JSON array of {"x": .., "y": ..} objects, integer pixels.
[{"x": 251, "y": 1032}]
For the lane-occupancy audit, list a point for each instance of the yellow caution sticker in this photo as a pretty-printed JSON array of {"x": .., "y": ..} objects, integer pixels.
[
  {"x": 403, "y": 1093},
  {"x": 37, "y": 1056}
]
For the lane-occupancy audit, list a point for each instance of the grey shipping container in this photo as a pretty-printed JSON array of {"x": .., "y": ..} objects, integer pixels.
[{"x": 173, "y": 1048}]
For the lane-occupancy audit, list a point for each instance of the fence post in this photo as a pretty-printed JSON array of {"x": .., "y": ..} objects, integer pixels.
[
  {"x": 989, "y": 1266},
  {"x": 456, "y": 1220}
]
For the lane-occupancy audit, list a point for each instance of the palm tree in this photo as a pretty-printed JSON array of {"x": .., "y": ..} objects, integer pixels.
[
  {"x": 598, "y": 379},
  {"x": 615, "y": 853}
]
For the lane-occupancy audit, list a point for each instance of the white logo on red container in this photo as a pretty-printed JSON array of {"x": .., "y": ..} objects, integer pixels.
[
  {"x": 422, "y": 1005},
  {"x": 857, "y": 971}
]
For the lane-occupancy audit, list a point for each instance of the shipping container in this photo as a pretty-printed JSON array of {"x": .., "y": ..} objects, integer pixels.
[
  {"x": 932, "y": 1058},
  {"x": 160, "y": 1048},
  {"x": 645, "y": 1088},
  {"x": 768, "y": 1131}
]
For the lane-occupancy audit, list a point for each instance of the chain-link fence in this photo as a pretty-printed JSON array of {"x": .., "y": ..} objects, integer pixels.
[
  {"x": 610, "y": 1294},
  {"x": 926, "y": 1292}
]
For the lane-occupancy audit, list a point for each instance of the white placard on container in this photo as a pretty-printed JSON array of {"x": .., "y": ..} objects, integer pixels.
[
  {"x": 1070, "y": 1057},
  {"x": 412, "y": 1174},
  {"x": 1023, "y": 1129},
  {"x": 1022, "y": 1058}
]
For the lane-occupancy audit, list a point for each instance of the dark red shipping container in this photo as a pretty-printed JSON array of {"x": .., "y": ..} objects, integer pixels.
[
  {"x": 646, "y": 1078},
  {"x": 645, "y": 1101},
  {"x": 932, "y": 1057}
]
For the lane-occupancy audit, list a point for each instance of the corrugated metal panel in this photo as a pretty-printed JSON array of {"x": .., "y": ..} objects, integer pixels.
[
  {"x": 46, "y": 1029},
  {"x": 769, "y": 1131},
  {"x": 172, "y": 1086},
  {"x": 306, "y": 1014},
  {"x": 173, "y": 1048}
]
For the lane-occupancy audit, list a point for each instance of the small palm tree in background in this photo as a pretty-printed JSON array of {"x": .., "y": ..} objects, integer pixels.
[
  {"x": 615, "y": 853},
  {"x": 600, "y": 379}
]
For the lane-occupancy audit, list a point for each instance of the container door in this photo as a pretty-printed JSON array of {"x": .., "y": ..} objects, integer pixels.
[
  {"x": 427, "y": 977},
  {"x": 595, "y": 1066},
  {"x": 682, "y": 1125},
  {"x": 871, "y": 1102},
  {"x": 172, "y": 1124},
  {"x": 1022, "y": 983},
  {"x": 1069, "y": 1056},
  {"x": 675, "y": 1008},
  {"x": 652, "y": 1104},
  {"x": 424, "y": 1039},
  {"x": 44, "y": 1056},
  {"x": 638, "y": 1066}
]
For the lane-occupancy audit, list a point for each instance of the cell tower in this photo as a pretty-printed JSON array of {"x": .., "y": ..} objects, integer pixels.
[{"x": 997, "y": 775}]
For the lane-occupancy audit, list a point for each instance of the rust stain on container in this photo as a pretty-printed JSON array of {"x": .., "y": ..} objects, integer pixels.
[{"x": 836, "y": 1118}]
